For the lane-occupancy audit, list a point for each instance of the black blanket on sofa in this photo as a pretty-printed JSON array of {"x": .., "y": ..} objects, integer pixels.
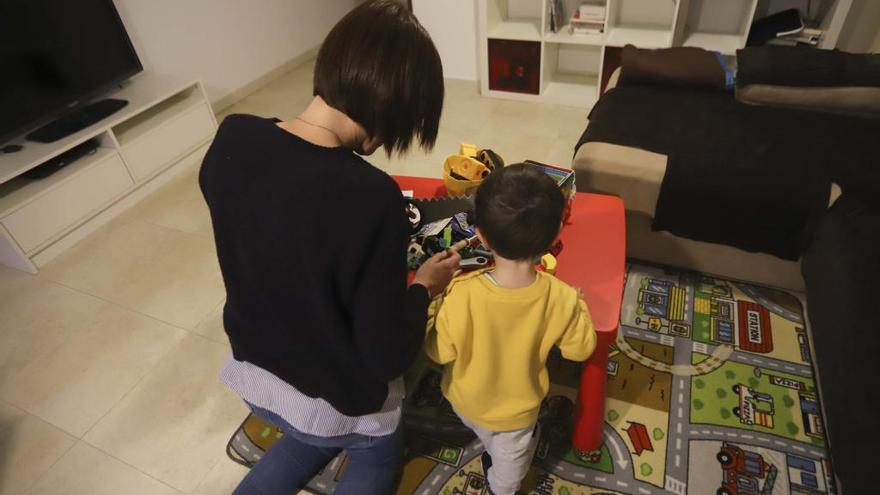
[
  {"x": 806, "y": 67},
  {"x": 746, "y": 176}
]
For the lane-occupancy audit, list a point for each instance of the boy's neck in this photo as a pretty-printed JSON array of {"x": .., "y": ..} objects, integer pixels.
[{"x": 513, "y": 274}]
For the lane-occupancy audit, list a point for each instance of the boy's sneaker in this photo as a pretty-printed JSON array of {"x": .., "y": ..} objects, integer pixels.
[{"x": 486, "y": 461}]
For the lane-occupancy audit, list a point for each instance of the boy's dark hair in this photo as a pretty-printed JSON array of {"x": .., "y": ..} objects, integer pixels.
[
  {"x": 379, "y": 66},
  {"x": 518, "y": 210}
]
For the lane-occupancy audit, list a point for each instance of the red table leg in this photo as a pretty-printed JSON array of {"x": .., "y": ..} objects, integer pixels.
[{"x": 590, "y": 413}]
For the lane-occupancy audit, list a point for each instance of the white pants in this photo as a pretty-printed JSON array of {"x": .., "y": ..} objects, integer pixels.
[{"x": 511, "y": 453}]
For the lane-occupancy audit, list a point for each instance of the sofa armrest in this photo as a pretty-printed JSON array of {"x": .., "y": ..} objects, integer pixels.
[
  {"x": 613, "y": 80},
  {"x": 630, "y": 173}
]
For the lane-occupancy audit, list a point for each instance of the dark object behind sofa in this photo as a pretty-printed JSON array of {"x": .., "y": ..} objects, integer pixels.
[
  {"x": 768, "y": 28},
  {"x": 806, "y": 67},
  {"x": 841, "y": 269},
  {"x": 679, "y": 67},
  {"x": 746, "y": 176}
]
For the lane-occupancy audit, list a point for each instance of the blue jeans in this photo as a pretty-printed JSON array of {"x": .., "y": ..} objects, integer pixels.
[{"x": 373, "y": 468}]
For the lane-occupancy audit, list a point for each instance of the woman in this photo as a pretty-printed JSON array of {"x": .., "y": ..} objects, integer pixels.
[{"x": 311, "y": 241}]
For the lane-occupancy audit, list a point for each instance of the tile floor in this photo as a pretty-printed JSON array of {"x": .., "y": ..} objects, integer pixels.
[{"x": 109, "y": 357}]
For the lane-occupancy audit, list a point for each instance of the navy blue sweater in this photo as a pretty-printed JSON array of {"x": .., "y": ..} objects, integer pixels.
[{"x": 311, "y": 242}]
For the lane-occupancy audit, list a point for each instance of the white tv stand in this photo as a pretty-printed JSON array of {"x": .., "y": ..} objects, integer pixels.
[{"x": 166, "y": 127}]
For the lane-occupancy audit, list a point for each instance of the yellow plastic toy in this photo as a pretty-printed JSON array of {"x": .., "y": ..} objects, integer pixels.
[
  {"x": 468, "y": 149},
  {"x": 549, "y": 263},
  {"x": 462, "y": 173}
]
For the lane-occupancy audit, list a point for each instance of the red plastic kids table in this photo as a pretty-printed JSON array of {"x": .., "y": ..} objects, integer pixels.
[{"x": 594, "y": 250}]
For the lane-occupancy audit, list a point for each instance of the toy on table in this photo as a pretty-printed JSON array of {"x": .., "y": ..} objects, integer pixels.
[
  {"x": 439, "y": 223},
  {"x": 548, "y": 263},
  {"x": 445, "y": 222},
  {"x": 565, "y": 179},
  {"x": 462, "y": 173}
]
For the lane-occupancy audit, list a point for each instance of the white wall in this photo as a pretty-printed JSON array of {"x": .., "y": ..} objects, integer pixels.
[
  {"x": 452, "y": 25},
  {"x": 226, "y": 43}
]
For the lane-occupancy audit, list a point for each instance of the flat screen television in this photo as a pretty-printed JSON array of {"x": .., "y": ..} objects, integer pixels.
[{"x": 56, "y": 56}]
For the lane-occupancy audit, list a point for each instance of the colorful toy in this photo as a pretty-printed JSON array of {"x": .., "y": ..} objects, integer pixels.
[
  {"x": 564, "y": 178},
  {"x": 548, "y": 264},
  {"x": 490, "y": 159},
  {"x": 462, "y": 173}
]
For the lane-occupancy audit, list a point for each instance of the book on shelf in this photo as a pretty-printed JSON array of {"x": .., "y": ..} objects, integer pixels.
[
  {"x": 586, "y": 27},
  {"x": 581, "y": 30},
  {"x": 591, "y": 12},
  {"x": 587, "y": 19},
  {"x": 555, "y": 15}
]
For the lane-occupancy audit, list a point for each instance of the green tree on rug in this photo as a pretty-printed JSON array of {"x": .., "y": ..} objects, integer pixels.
[
  {"x": 754, "y": 382},
  {"x": 721, "y": 393},
  {"x": 699, "y": 383},
  {"x": 613, "y": 415},
  {"x": 792, "y": 428},
  {"x": 646, "y": 469},
  {"x": 730, "y": 374},
  {"x": 658, "y": 434},
  {"x": 788, "y": 401},
  {"x": 564, "y": 491},
  {"x": 725, "y": 413},
  {"x": 698, "y": 404}
]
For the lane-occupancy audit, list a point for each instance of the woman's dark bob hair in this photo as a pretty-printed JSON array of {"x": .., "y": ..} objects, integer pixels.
[{"x": 379, "y": 66}]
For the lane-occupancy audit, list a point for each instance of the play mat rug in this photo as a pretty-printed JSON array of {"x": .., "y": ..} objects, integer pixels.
[{"x": 710, "y": 391}]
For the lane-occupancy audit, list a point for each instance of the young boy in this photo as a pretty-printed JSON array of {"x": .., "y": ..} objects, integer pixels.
[{"x": 494, "y": 328}]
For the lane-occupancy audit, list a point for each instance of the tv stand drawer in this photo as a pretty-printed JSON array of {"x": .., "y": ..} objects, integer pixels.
[
  {"x": 159, "y": 147},
  {"x": 68, "y": 203}
]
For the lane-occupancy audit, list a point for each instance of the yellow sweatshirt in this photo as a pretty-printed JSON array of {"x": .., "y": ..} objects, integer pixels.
[{"x": 494, "y": 343}]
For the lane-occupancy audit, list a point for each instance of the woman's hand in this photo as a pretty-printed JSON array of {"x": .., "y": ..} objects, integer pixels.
[{"x": 437, "y": 271}]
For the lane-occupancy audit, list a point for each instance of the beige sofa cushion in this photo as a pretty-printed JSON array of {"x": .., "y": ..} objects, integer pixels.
[{"x": 859, "y": 101}]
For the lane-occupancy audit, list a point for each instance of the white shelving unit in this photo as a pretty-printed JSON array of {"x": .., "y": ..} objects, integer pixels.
[
  {"x": 572, "y": 66},
  {"x": 166, "y": 126},
  {"x": 570, "y": 63}
]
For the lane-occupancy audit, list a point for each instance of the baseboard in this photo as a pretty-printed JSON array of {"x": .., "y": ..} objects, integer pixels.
[{"x": 242, "y": 92}]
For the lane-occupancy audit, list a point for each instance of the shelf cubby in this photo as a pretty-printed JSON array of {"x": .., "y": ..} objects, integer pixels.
[
  {"x": 563, "y": 34},
  {"x": 719, "y": 25},
  {"x": 514, "y": 19},
  {"x": 571, "y": 74},
  {"x": 643, "y": 23}
]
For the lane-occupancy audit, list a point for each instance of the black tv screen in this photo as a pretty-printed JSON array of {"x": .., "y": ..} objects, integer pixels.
[{"x": 55, "y": 55}]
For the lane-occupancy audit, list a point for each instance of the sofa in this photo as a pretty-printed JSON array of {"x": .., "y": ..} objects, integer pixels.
[
  {"x": 839, "y": 252},
  {"x": 635, "y": 175}
]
